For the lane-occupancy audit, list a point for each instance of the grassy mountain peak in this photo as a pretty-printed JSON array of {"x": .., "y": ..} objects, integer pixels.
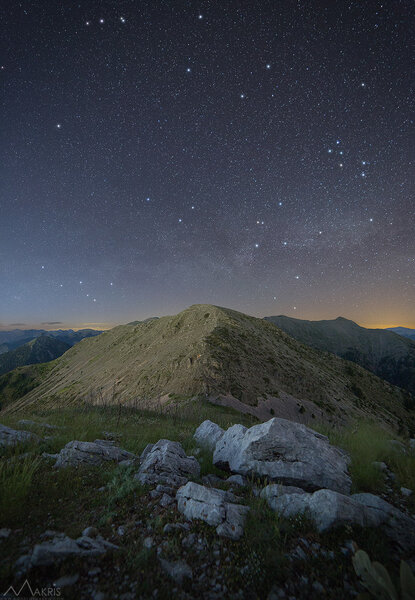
[{"x": 217, "y": 353}]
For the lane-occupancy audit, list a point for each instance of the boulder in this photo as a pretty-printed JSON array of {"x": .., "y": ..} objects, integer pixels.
[
  {"x": 208, "y": 435},
  {"x": 216, "y": 507},
  {"x": 59, "y": 547},
  {"x": 12, "y": 437},
  {"x": 326, "y": 508},
  {"x": 395, "y": 524},
  {"x": 329, "y": 509},
  {"x": 166, "y": 462},
  {"x": 77, "y": 453},
  {"x": 283, "y": 451}
]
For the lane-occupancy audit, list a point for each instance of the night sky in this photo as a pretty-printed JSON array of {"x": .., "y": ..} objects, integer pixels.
[{"x": 252, "y": 154}]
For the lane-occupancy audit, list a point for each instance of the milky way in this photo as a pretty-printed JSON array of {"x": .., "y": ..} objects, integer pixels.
[{"x": 257, "y": 155}]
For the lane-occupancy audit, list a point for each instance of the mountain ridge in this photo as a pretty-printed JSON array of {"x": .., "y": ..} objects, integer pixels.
[
  {"x": 218, "y": 354},
  {"x": 383, "y": 352}
]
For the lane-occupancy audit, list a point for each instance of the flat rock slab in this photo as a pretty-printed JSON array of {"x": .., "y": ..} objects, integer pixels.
[
  {"x": 166, "y": 463},
  {"x": 60, "y": 547},
  {"x": 329, "y": 509},
  {"x": 284, "y": 451},
  {"x": 77, "y": 453},
  {"x": 216, "y": 507},
  {"x": 208, "y": 435},
  {"x": 12, "y": 437},
  {"x": 29, "y": 423}
]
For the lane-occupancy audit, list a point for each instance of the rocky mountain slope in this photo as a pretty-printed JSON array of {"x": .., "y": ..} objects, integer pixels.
[
  {"x": 229, "y": 357},
  {"x": 40, "y": 350},
  {"x": 385, "y": 353},
  {"x": 274, "y": 510}
]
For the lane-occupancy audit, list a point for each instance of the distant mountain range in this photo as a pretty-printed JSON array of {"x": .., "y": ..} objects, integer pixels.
[
  {"x": 405, "y": 331},
  {"x": 218, "y": 354},
  {"x": 383, "y": 352},
  {"x": 10, "y": 340},
  {"x": 39, "y": 350}
]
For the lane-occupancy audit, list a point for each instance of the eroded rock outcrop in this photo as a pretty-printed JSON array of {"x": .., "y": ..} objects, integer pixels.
[
  {"x": 77, "y": 453},
  {"x": 12, "y": 437},
  {"x": 167, "y": 463},
  {"x": 329, "y": 509},
  {"x": 60, "y": 547},
  {"x": 283, "y": 451},
  {"x": 216, "y": 507}
]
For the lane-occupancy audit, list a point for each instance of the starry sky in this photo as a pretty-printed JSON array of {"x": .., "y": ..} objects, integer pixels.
[{"x": 252, "y": 154}]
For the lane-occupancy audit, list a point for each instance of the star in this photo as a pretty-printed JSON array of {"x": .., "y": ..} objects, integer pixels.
[
  {"x": 111, "y": 283},
  {"x": 330, "y": 150},
  {"x": 180, "y": 220},
  {"x": 122, "y": 19},
  {"x": 101, "y": 21},
  {"x": 80, "y": 283},
  {"x": 87, "y": 23},
  {"x": 242, "y": 96},
  {"x": 268, "y": 66},
  {"x": 297, "y": 277},
  {"x": 200, "y": 17},
  {"x": 256, "y": 245},
  {"x": 43, "y": 266},
  {"x": 58, "y": 126},
  {"x": 189, "y": 70}
]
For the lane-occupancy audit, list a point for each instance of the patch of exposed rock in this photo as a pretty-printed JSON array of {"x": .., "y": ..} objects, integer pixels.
[
  {"x": 216, "y": 507},
  {"x": 284, "y": 451},
  {"x": 166, "y": 463},
  {"x": 12, "y": 437},
  {"x": 60, "y": 547},
  {"x": 329, "y": 509},
  {"x": 77, "y": 453}
]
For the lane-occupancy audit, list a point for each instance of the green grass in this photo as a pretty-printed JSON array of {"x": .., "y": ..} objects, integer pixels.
[
  {"x": 16, "y": 477},
  {"x": 367, "y": 443}
]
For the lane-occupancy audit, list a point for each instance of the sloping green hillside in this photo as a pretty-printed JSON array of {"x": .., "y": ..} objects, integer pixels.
[{"x": 222, "y": 355}]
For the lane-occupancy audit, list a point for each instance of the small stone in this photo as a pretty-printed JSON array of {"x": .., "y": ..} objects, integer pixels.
[
  {"x": 4, "y": 533},
  {"x": 94, "y": 571},
  {"x": 236, "y": 480},
  {"x": 148, "y": 543},
  {"x": 166, "y": 500},
  {"x": 91, "y": 532},
  {"x": 66, "y": 581},
  {"x": 177, "y": 570},
  {"x": 121, "y": 530},
  {"x": 406, "y": 492},
  {"x": 318, "y": 588},
  {"x": 170, "y": 527}
]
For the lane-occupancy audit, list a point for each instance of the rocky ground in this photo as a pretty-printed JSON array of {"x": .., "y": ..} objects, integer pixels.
[{"x": 269, "y": 511}]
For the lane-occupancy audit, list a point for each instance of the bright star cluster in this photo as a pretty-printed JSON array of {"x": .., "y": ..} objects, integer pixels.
[{"x": 256, "y": 155}]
